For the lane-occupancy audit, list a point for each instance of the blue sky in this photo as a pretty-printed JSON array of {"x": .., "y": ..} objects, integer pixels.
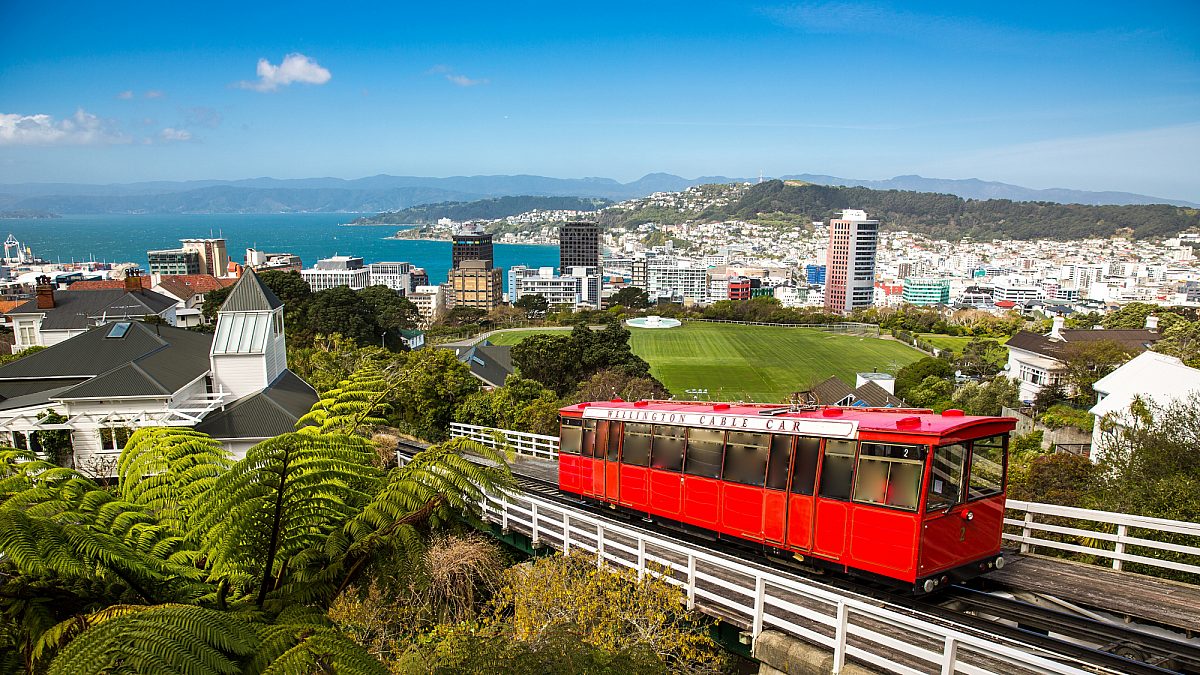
[{"x": 1090, "y": 95}]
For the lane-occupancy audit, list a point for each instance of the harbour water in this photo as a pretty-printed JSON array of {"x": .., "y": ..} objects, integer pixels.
[{"x": 126, "y": 238}]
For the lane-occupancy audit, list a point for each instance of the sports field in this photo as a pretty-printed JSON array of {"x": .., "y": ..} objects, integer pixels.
[
  {"x": 951, "y": 342},
  {"x": 754, "y": 363}
]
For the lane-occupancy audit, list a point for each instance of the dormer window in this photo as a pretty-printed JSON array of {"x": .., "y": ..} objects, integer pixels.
[{"x": 241, "y": 333}]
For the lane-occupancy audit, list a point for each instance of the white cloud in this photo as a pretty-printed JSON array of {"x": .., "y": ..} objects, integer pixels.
[
  {"x": 294, "y": 68},
  {"x": 453, "y": 77},
  {"x": 170, "y": 134},
  {"x": 464, "y": 81},
  {"x": 155, "y": 93},
  {"x": 82, "y": 128},
  {"x": 125, "y": 95}
]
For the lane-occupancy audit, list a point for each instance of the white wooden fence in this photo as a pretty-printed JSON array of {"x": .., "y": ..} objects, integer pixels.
[
  {"x": 1032, "y": 535},
  {"x": 760, "y": 598},
  {"x": 1094, "y": 541},
  {"x": 522, "y": 443}
]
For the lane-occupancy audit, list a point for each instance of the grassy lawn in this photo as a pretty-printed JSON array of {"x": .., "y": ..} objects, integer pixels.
[
  {"x": 951, "y": 342},
  {"x": 513, "y": 337},
  {"x": 754, "y": 363}
]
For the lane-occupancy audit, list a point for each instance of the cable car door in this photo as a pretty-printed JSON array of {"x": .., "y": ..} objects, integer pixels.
[{"x": 612, "y": 464}]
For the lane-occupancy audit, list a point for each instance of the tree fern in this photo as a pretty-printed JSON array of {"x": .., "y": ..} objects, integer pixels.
[
  {"x": 356, "y": 403},
  {"x": 286, "y": 495},
  {"x": 160, "y": 639},
  {"x": 170, "y": 469}
]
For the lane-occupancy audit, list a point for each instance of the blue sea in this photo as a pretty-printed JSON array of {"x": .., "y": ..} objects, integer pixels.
[{"x": 126, "y": 238}]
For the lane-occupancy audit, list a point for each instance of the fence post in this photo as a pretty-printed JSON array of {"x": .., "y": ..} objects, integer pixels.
[
  {"x": 641, "y": 558},
  {"x": 566, "y": 525},
  {"x": 760, "y": 598},
  {"x": 534, "y": 519},
  {"x": 691, "y": 587},
  {"x": 599, "y": 545},
  {"x": 1122, "y": 532},
  {"x": 840, "y": 636},
  {"x": 1027, "y": 533},
  {"x": 949, "y": 655}
]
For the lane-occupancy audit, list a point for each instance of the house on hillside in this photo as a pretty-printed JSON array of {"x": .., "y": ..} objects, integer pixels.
[
  {"x": 1037, "y": 361},
  {"x": 117, "y": 376},
  {"x": 873, "y": 391},
  {"x": 490, "y": 363},
  {"x": 54, "y": 316},
  {"x": 1152, "y": 377},
  {"x": 188, "y": 292}
]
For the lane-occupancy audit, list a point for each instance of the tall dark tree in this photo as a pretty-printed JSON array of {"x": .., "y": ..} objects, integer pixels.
[
  {"x": 914, "y": 374},
  {"x": 341, "y": 310},
  {"x": 534, "y": 305},
  {"x": 561, "y": 362},
  {"x": 392, "y": 312},
  {"x": 632, "y": 297}
]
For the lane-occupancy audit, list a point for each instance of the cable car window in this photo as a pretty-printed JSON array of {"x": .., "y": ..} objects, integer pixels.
[
  {"x": 601, "y": 438},
  {"x": 589, "y": 438},
  {"x": 987, "y": 467},
  {"x": 704, "y": 448},
  {"x": 636, "y": 450},
  {"x": 889, "y": 475},
  {"x": 614, "y": 441},
  {"x": 837, "y": 469},
  {"x": 746, "y": 458},
  {"x": 804, "y": 469},
  {"x": 570, "y": 436},
  {"x": 777, "y": 465},
  {"x": 667, "y": 451},
  {"x": 945, "y": 478}
]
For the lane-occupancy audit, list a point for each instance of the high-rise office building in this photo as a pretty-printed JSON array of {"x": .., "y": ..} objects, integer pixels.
[
  {"x": 578, "y": 245},
  {"x": 471, "y": 244},
  {"x": 850, "y": 266},
  {"x": 174, "y": 261},
  {"x": 477, "y": 284},
  {"x": 214, "y": 259}
]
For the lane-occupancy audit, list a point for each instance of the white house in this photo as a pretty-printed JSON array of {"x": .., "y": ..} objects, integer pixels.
[
  {"x": 54, "y": 316},
  {"x": 1037, "y": 361},
  {"x": 1153, "y": 377},
  {"x": 115, "y": 377}
]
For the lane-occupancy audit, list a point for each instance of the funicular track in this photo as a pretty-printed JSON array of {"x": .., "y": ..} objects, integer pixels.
[{"x": 1043, "y": 633}]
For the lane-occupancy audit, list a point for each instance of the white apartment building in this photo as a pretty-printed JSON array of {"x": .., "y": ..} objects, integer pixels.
[
  {"x": 559, "y": 291},
  {"x": 431, "y": 302},
  {"x": 395, "y": 275},
  {"x": 1016, "y": 290},
  {"x": 340, "y": 270},
  {"x": 674, "y": 279}
]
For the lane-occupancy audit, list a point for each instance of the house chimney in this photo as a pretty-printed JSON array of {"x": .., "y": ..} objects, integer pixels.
[
  {"x": 1152, "y": 323},
  {"x": 133, "y": 280},
  {"x": 45, "y": 293},
  {"x": 1056, "y": 327}
]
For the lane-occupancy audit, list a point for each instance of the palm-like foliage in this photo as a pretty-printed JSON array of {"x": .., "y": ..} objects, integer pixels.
[
  {"x": 356, "y": 403},
  {"x": 199, "y": 564}
]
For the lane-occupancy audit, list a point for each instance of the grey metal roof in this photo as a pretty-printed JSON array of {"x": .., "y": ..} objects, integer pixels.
[
  {"x": 830, "y": 391},
  {"x": 272, "y": 411},
  {"x": 147, "y": 361},
  {"x": 77, "y": 309},
  {"x": 876, "y": 396},
  {"x": 250, "y": 294},
  {"x": 490, "y": 363}
]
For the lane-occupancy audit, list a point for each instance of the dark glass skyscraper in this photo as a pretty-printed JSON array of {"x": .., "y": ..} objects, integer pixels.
[
  {"x": 471, "y": 245},
  {"x": 578, "y": 245}
]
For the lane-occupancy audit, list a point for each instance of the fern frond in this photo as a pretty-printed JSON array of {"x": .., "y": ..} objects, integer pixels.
[
  {"x": 160, "y": 639},
  {"x": 168, "y": 470},
  {"x": 285, "y": 496}
]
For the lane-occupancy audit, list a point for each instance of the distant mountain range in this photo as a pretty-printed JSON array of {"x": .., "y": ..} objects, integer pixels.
[{"x": 389, "y": 193}]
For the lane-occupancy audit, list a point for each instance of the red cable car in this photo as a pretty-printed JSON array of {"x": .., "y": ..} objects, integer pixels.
[{"x": 909, "y": 495}]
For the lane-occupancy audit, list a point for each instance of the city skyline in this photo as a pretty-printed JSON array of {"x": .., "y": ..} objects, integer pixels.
[{"x": 1074, "y": 96}]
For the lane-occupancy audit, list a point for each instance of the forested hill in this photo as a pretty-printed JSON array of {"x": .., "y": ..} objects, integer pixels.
[
  {"x": 484, "y": 209},
  {"x": 949, "y": 217}
]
